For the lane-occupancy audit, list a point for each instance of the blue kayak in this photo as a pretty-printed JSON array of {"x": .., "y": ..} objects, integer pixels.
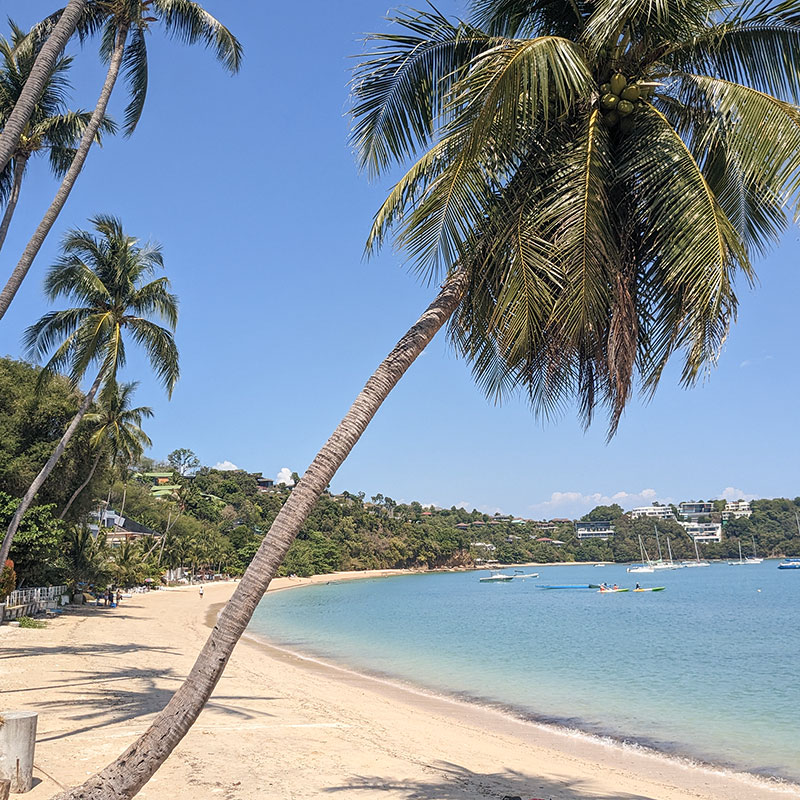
[{"x": 569, "y": 586}]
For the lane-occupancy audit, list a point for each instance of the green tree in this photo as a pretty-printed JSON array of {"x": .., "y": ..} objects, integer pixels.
[
  {"x": 117, "y": 430},
  {"x": 578, "y": 251},
  {"x": 106, "y": 276},
  {"x": 51, "y": 129},
  {"x": 85, "y": 558},
  {"x": 183, "y": 461},
  {"x": 123, "y": 26}
]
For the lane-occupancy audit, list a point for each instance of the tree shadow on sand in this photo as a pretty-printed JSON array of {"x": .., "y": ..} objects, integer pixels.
[
  {"x": 99, "y": 701},
  {"x": 456, "y": 782}
]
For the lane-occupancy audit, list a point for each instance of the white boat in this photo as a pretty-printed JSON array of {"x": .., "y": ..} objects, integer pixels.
[
  {"x": 745, "y": 562},
  {"x": 529, "y": 575},
  {"x": 661, "y": 564},
  {"x": 646, "y": 565},
  {"x": 496, "y": 577},
  {"x": 698, "y": 562}
]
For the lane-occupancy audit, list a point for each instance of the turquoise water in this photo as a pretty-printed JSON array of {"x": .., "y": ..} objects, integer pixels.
[{"x": 707, "y": 669}]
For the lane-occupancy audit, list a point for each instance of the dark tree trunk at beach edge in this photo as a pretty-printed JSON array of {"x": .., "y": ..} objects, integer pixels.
[{"x": 125, "y": 777}]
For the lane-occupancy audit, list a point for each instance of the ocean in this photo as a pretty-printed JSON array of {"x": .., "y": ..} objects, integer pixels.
[{"x": 707, "y": 669}]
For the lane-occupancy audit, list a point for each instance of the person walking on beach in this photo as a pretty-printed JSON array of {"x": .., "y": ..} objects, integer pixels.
[{"x": 201, "y": 592}]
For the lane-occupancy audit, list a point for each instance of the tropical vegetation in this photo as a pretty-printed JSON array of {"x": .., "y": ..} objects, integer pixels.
[{"x": 107, "y": 275}]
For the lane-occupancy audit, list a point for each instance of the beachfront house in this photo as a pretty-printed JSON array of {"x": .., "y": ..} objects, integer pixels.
[
  {"x": 117, "y": 528},
  {"x": 594, "y": 530},
  {"x": 655, "y": 511}
]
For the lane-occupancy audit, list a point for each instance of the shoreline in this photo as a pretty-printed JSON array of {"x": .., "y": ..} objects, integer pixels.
[
  {"x": 407, "y": 689},
  {"x": 282, "y": 727}
]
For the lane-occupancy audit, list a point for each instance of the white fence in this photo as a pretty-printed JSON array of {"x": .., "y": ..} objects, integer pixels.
[{"x": 33, "y": 600}]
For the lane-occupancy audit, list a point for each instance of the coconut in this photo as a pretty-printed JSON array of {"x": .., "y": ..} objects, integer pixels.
[
  {"x": 611, "y": 118},
  {"x": 631, "y": 92},
  {"x": 605, "y": 88},
  {"x": 609, "y": 101},
  {"x": 625, "y": 107},
  {"x": 618, "y": 82}
]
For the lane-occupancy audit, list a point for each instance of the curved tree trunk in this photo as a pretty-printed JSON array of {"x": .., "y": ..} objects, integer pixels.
[
  {"x": 82, "y": 486},
  {"x": 40, "y": 73},
  {"x": 125, "y": 776},
  {"x": 47, "y": 468},
  {"x": 51, "y": 215},
  {"x": 19, "y": 171}
]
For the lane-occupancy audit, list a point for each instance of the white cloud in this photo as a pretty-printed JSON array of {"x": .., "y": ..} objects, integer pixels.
[
  {"x": 749, "y": 362},
  {"x": 575, "y": 504},
  {"x": 285, "y": 476},
  {"x": 225, "y": 466},
  {"x": 731, "y": 493}
]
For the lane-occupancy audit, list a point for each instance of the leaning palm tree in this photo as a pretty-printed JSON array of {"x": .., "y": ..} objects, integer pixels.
[
  {"x": 117, "y": 431},
  {"x": 46, "y": 59},
  {"x": 589, "y": 179},
  {"x": 106, "y": 274},
  {"x": 51, "y": 129},
  {"x": 123, "y": 25}
]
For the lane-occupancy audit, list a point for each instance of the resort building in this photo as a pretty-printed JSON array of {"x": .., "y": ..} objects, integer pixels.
[
  {"x": 659, "y": 512},
  {"x": 691, "y": 511},
  {"x": 162, "y": 484},
  {"x": 703, "y": 531},
  {"x": 594, "y": 530},
  {"x": 483, "y": 545},
  {"x": 264, "y": 484},
  {"x": 554, "y": 542},
  {"x": 117, "y": 528},
  {"x": 737, "y": 508}
]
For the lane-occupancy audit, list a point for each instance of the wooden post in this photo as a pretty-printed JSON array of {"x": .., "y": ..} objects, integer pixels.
[{"x": 17, "y": 743}]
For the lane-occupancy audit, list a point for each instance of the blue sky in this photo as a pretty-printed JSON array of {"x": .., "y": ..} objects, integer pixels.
[{"x": 250, "y": 186}]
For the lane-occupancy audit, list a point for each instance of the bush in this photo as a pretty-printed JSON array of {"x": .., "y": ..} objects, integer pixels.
[{"x": 30, "y": 622}]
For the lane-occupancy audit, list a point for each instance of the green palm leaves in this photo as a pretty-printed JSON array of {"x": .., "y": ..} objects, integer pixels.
[
  {"x": 118, "y": 425},
  {"x": 106, "y": 275},
  {"x": 595, "y": 250}
]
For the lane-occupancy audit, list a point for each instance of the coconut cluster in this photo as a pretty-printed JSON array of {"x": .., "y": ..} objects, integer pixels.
[{"x": 618, "y": 101}]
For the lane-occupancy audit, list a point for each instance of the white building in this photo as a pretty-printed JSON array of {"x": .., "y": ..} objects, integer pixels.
[
  {"x": 703, "y": 531},
  {"x": 659, "y": 512},
  {"x": 594, "y": 530},
  {"x": 736, "y": 508}
]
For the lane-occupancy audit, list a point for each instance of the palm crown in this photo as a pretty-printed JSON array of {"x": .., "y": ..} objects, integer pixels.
[
  {"x": 106, "y": 274},
  {"x": 52, "y": 127},
  {"x": 131, "y": 20},
  {"x": 117, "y": 425},
  {"x": 602, "y": 170}
]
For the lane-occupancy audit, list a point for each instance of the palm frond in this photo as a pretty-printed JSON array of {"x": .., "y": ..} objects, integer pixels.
[
  {"x": 398, "y": 91},
  {"x": 134, "y": 66},
  {"x": 190, "y": 22},
  {"x": 160, "y": 347}
]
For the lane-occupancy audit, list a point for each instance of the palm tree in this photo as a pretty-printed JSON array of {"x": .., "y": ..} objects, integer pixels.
[
  {"x": 579, "y": 251},
  {"x": 117, "y": 431},
  {"x": 123, "y": 25},
  {"x": 106, "y": 275},
  {"x": 85, "y": 558},
  {"x": 38, "y": 77},
  {"x": 51, "y": 128}
]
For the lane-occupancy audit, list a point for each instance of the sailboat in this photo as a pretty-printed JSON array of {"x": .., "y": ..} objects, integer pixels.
[
  {"x": 646, "y": 565},
  {"x": 743, "y": 562},
  {"x": 754, "y": 559},
  {"x": 661, "y": 564},
  {"x": 697, "y": 562}
]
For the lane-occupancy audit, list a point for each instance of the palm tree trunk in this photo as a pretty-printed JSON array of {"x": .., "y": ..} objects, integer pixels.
[
  {"x": 48, "y": 468},
  {"x": 19, "y": 170},
  {"x": 82, "y": 486},
  {"x": 51, "y": 215},
  {"x": 40, "y": 73},
  {"x": 124, "y": 777}
]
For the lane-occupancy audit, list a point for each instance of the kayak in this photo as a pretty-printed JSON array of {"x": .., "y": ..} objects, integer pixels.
[
  {"x": 611, "y": 591},
  {"x": 569, "y": 586},
  {"x": 654, "y": 589}
]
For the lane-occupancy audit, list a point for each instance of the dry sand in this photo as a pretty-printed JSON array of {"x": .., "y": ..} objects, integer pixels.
[{"x": 279, "y": 726}]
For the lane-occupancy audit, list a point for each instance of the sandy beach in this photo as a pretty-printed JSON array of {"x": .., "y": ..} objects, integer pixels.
[{"x": 281, "y": 726}]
